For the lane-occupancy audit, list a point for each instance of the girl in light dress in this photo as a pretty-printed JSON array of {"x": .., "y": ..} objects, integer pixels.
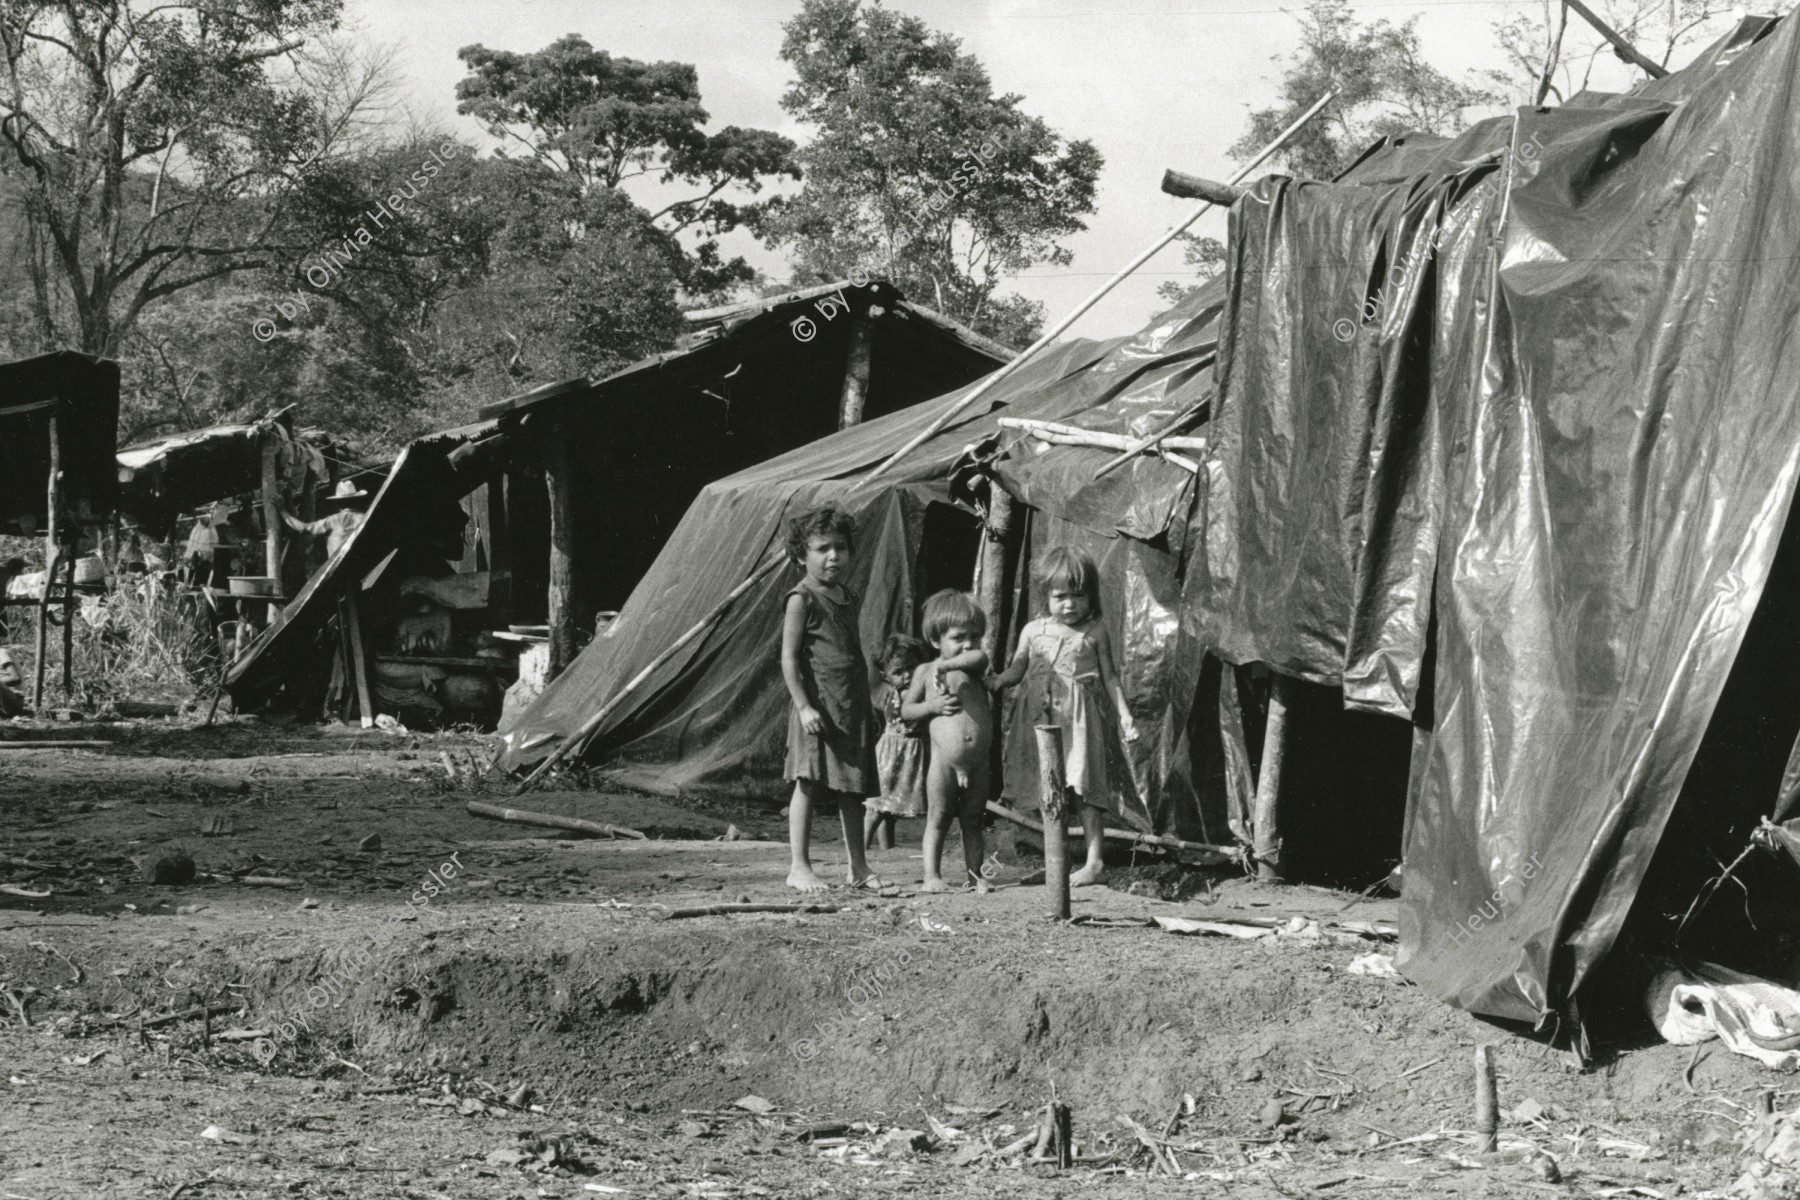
[{"x": 1065, "y": 661}]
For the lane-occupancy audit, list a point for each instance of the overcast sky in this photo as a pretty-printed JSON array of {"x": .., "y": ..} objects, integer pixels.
[{"x": 1154, "y": 84}]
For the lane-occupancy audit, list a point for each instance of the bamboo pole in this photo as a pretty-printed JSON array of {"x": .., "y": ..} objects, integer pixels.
[
  {"x": 593, "y": 723},
  {"x": 1266, "y": 827},
  {"x": 1626, "y": 50},
  {"x": 1075, "y": 314},
  {"x": 1111, "y": 441},
  {"x": 1160, "y": 435},
  {"x": 1053, "y": 793},
  {"x": 551, "y": 820},
  {"x": 50, "y": 554}
]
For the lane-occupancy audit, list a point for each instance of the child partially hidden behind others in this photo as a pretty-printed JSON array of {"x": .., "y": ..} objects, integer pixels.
[
  {"x": 900, "y": 751},
  {"x": 951, "y": 691}
]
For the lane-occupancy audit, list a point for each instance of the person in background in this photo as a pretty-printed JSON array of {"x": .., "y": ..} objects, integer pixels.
[
  {"x": 348, "y": 502},
  {"x": 12, "y": 699},
  {"x": 9, "y": 570}
]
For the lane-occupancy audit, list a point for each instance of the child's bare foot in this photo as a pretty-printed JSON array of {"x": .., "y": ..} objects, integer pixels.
[
  {"x": 934, "y": 885},
  {"x": 1086, "y": 877},
  {"x": 802, "y": 879}
]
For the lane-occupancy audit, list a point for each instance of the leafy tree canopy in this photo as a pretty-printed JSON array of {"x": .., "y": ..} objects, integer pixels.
[
  {"x": 920, "y": 171},
  {"x": 1385, "y": 87},
  {"x": 607, "y": 120}
]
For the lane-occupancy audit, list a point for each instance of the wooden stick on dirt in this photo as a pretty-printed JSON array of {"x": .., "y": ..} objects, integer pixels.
[
  {"x": 1155, "y": 841},
  {"x": 720, "y": 910},
  {"x": 1055, "y": 331},
  {"x": 524, "y": 817},
  {"x": 1487, "y": 1100},
  {"x": 1053, "y": 794},
  {"x": 592, "y": 723}
]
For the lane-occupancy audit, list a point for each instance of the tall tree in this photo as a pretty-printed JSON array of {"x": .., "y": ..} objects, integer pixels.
[
  {"x": 1384, "y": 87},
  {"x": 152, "y": 145},
  {"x": 607, "y": 121},
  {"x": 919, "y": 170}
]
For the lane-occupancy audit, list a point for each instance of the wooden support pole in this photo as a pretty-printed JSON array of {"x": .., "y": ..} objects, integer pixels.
[
  {"x": 271, "y": 512},
  {"x": 50, "y": 552},
  {"x": 1053, "y": 793},
  {"x": 1057, "y": 330},
  {"x": 1192, "y": 187},
  {"x": 856, "y": 367},
  {"x": 1626, "y": 50},
  {"x": 699, "y": 627},
  {"x": 996, "y": 547},
  {"x": 70, "y": 606},
  {"x": 1266, "y": 822},
  {"x": 563, "y": 627},
  {"x": 359, "y": 660}
]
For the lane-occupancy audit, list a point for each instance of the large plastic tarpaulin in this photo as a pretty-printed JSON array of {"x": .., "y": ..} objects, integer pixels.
[
  {"x": 713, "y": 719},
  {"x": 1566, "y": 430}
]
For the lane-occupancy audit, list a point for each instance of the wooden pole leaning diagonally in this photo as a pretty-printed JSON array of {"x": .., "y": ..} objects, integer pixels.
[
  {"x": 1626, "y": 50},
  {"x": 606, "y": 710},
  {"x": 1057, "y": 330}
]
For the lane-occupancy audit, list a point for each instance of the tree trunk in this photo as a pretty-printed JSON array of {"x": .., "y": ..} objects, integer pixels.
[
  {"x": 856, "y": 367},
  {"x": 563, "y": 628}
]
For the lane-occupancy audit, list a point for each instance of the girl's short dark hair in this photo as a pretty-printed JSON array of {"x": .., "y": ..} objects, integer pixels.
[
  {"x": 1064, "y": 568},
  {"x": 904, "y": 650},
  {"x": 951, "y": 609},
  {"x": 815, "y": 522}
]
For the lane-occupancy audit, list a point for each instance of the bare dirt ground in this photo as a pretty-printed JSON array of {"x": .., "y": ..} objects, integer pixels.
[{"x": 538, "y": 1030}]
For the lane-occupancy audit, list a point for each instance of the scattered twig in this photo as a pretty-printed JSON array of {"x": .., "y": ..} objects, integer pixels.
[
  {"x": 47, "y": 948},
  {"x": 525, "y": 817},
  {"x": 1415, "y": 1070}
]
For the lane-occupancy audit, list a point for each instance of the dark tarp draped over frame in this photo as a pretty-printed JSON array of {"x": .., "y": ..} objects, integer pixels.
[
  {"x": 1535, "y": 383},
  {"x": 1622, "y": 471},
  {"x": 713, "y": 719}
]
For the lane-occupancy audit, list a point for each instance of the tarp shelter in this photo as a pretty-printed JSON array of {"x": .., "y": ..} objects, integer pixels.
[
  {"x": 576, "y": 485},
  {"x": 1506, "y": 440},
  {"x": 713, "y": 720},
  {"x": 81, "y": 395},
  {"x": 162, "y": 478}
]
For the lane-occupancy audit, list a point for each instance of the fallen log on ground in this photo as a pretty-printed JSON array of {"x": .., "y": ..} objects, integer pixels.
[
  {"x": 575, "y": 824},
  {"x": 1117, "y": 835}
]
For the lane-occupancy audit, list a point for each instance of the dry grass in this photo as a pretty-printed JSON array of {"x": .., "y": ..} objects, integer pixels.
[{"x": 141, "y": 642}]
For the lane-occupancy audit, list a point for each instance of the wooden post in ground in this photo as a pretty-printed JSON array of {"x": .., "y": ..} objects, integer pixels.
[
  {"x": 359, "y": 661},
  {"x": 50, "y": 548},
  {"x": 70, "y": 606},
  {"x": 563, "y": 630},
  {"x": 996, "y": 548},
  {"x": 1267, "y": 817},
  {"x": 856, "y": 367},
  {"x": 1487, "y": 1099},
  {"x": 1053, "y": 794},
  {"x": 271, "y": 511}
]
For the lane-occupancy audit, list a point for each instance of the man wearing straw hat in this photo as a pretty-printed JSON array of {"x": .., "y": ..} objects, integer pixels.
[{"x": 348, "y": 502}]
